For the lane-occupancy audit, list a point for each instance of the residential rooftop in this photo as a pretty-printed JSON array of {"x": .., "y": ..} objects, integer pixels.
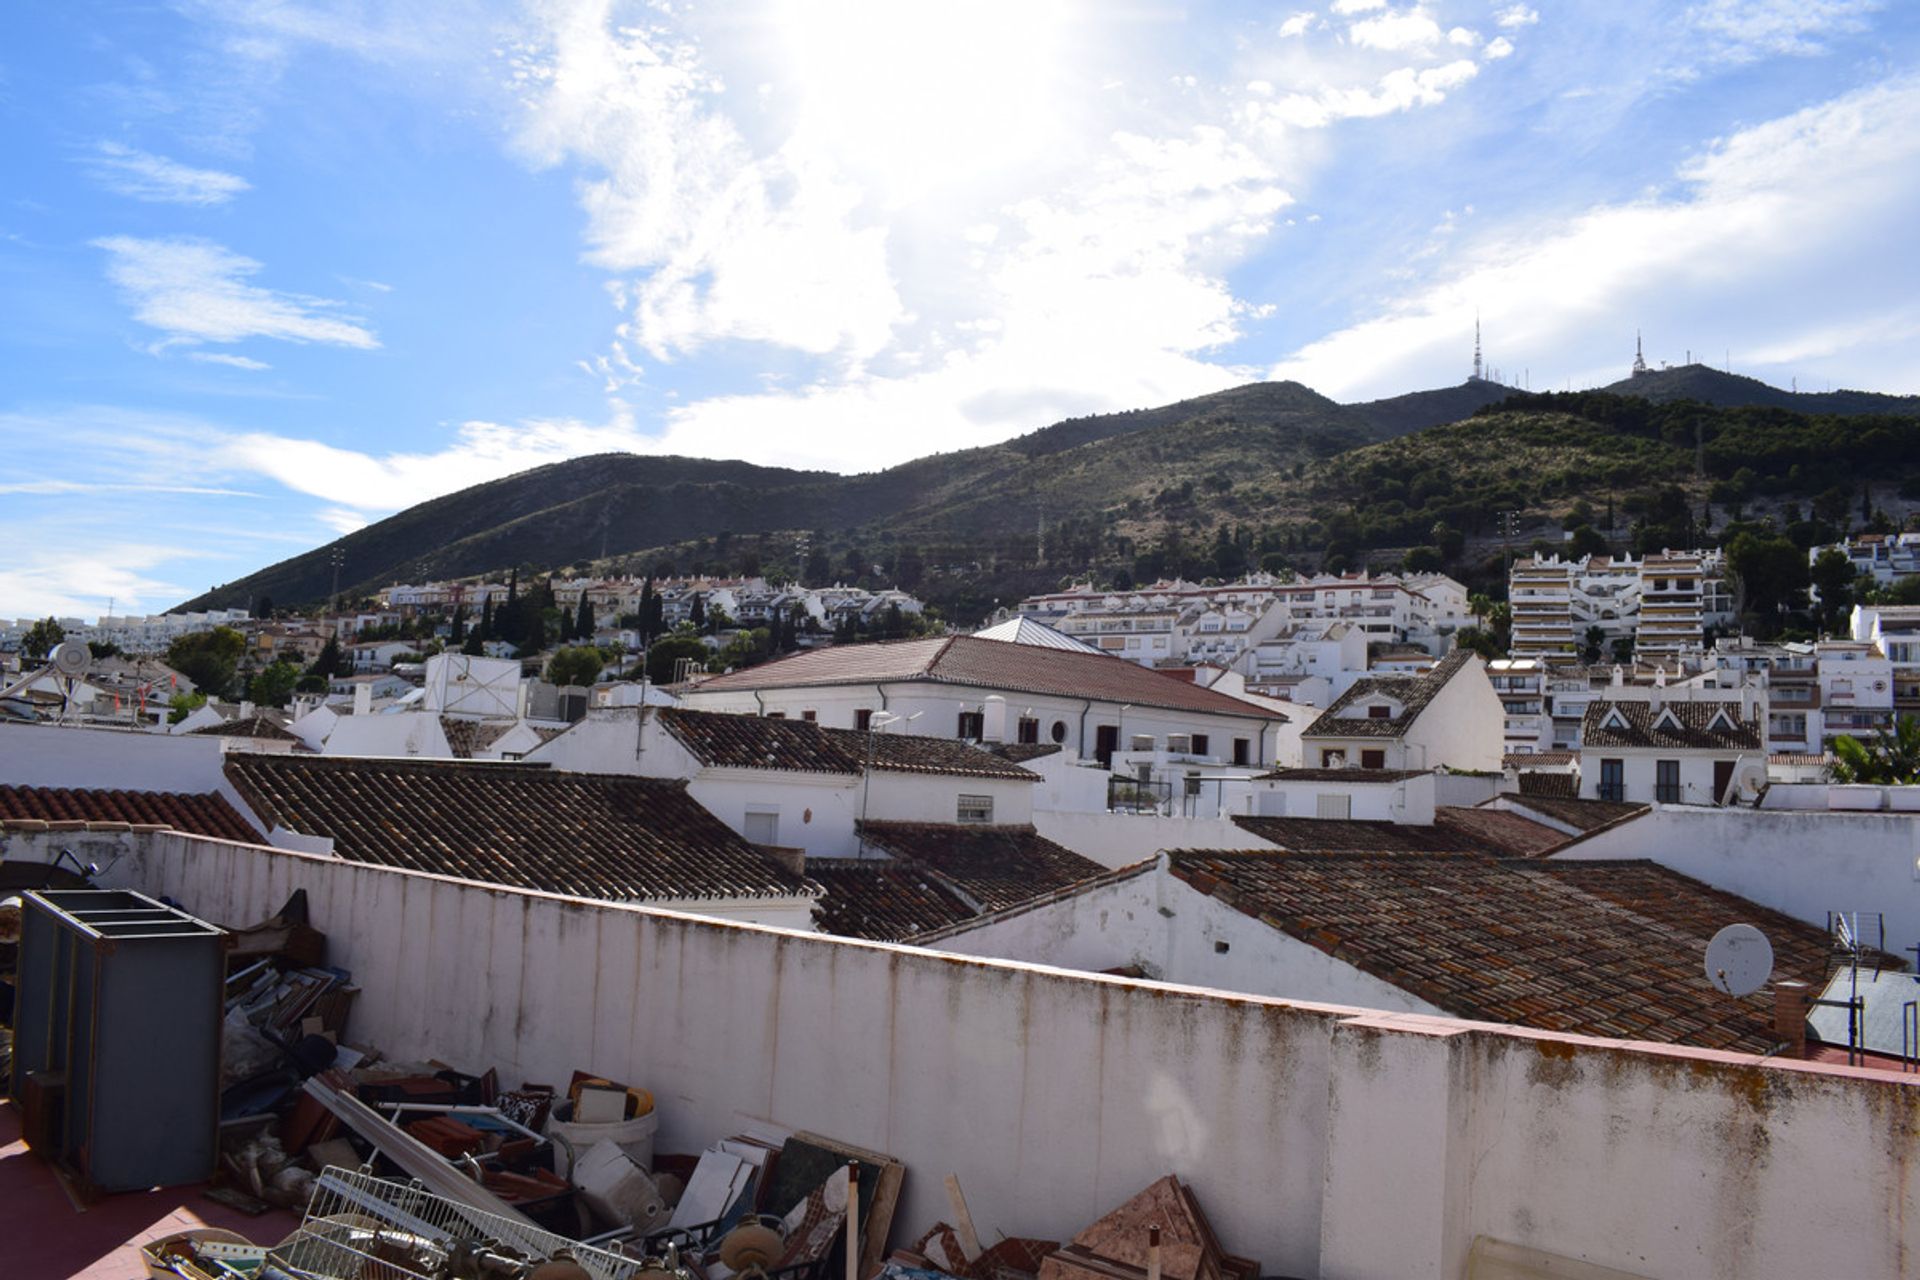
[
  {"x": 988, "y": 664},
  {"x": 722, "y": 740}
]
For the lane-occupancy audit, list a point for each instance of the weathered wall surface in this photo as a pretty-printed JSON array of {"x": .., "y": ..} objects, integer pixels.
[{"x": 1322, "y": 1140}]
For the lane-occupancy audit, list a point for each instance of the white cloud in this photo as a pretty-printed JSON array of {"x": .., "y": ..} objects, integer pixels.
[
  {"x": 41, "y": 580},
  {"x": 1498, "y": 47},
  {"x": 1397, "y": 31},
  {"x": 1399, "y": 90},
  {"x": 1744, "y": 30},
  {"x": 1298, "y": 24},
  {"x": 235, "y": 362},
  {"x": 1743, "y": 256},
  {"x": 156, "y": 179},
  {"x": 1516, "y": 15},
  {"x": 196, "y": 291},
  {"x": 1463, "y": 37},
  {"x": 1344, "y": 7}
]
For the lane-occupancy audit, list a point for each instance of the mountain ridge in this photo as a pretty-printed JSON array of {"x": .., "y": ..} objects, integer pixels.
[{"x": 1087, "y": 484}]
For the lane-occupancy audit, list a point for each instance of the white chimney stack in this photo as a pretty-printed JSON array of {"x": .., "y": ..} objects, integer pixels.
[
  {"x": 993, "y": 719},
  {"x": 363, "y": 699}
]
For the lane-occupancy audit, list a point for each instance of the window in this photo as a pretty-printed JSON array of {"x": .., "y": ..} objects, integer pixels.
[
  {"x": 1379, "y": 711},
  {"x": 1059, "y": 731},
  {"x": 1200, "y": 744},
  {"x": 863, "y": 718},
  {"x": 1613, "y": 780},
  {"x": 1373, "y": 759},
  {"x": 972, "y": 726},
  {"x": 1666, "y": 781},
  {"x": 1242, "y": 751},
  {"x": 1028, "y": 730},
  {"x": 1332, "y": 759},
  {"x": 810, "y": 715},
  {"x": 762, "y": 826},
  {"x": 1338, "y": 807},
  {"x": 975, "y": 809}
]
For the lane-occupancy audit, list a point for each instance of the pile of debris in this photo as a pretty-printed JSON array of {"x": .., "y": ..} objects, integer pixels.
[{"x": 1159, "y": 1234}]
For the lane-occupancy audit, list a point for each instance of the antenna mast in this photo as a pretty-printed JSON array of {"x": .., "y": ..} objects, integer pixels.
[{"x": 1477, "y": 367}]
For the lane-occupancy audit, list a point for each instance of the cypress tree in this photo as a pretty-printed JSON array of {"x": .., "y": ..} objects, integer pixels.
[{"x": 583, "y": 621}]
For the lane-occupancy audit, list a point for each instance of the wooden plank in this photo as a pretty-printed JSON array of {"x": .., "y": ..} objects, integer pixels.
[{"x": 963, "y": 1220}]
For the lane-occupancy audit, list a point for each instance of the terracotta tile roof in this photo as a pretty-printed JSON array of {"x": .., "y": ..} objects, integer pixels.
[
  {"x": 1537, "y": 759},
  {"x": 989, "y": 664},
  {"x": 1341, "y": 775},
  {"x": 1595, "y": 948},
  {"x": 467, "y": 738},
  {"x": 758, "y": 742},
  {"x": 1539, "y": 782},
  {"x": 254, "y": 726},
  {"x": 881, "y": 899},
  {"x": 590, "y": 835},
  {"x": 1582, "y": 815},
  {"x": 1021, "y": 752},
  {"x": 1798, "y": 757},
  {"x": 1641, "y": 726},
  {"x": 206, "y": 814},
  {"x": 1500, "y": 830},
  {"x": 989, "y": 867},
  {"x": 1357, "y": 835},
  {"x": 1413, "y": 693}
]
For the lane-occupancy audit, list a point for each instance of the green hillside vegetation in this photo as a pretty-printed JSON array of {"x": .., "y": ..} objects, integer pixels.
[{"x": 1270, "y": 475}]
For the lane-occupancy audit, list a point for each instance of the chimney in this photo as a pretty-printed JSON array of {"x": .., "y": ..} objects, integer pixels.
[
  {"x": 363, "y": 699},
  {"x": 1790, "y": 1003},
  {"x": 792, "y": 859},
  {"x": 246, "y": 708},
  {"x": 993, "y": 719}
]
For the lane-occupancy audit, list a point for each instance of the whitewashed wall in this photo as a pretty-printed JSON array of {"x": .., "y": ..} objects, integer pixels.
[
  {"x": 1322, "y": 1141},
  {"x": 113, "y": 759}
]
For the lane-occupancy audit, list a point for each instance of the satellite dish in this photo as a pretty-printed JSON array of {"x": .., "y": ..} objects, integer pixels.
[
  {"x": 1739, "y": 960},
  {"x": 71, "y": 658}
]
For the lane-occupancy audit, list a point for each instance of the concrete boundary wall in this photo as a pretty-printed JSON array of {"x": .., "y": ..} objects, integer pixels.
[{"x": 1324, "y": 1141}]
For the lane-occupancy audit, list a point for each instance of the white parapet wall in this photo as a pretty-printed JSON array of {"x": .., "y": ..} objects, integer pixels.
[{"x": 1321, "y": 1140}]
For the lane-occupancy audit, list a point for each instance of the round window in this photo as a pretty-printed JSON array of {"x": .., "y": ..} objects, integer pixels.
[{"x": 1059, "y": 730}]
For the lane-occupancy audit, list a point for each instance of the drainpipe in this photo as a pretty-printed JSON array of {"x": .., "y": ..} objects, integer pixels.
[
  {"x": 760, "y": 702},
  {"x": 1082, "y": 744}
]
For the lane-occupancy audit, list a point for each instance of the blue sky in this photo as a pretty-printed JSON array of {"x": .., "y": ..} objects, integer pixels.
[{"x": 269, "y": 271}]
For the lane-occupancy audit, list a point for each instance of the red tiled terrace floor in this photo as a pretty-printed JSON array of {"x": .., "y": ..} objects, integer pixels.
[{"x": 42, "y": 1236}]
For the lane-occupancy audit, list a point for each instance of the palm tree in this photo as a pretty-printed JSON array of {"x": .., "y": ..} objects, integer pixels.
[{"x": 1893, "y": 758}]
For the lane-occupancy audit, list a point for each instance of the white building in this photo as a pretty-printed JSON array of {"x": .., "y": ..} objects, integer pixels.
[
  {"x": 1895, "y": 631},
  {"x": 1662, "y": 604},
  {"x": 988, "y": 691},
  {"x": 1664, "y": 751},
  {"x": 1449, "y": 717},
  {"x": 1889, "y": 557}
]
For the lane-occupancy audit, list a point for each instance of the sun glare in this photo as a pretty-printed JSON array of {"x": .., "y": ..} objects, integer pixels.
[{"x": 918, "y": 95}]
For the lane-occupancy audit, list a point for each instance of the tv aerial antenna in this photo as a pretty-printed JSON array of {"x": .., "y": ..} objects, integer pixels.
[
  {"x": 68, "y": 662},
  {"x": 1739, "y": 960}
]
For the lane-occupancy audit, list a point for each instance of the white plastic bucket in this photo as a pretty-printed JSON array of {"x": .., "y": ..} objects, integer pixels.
[{"x": 635, "y": 1137}]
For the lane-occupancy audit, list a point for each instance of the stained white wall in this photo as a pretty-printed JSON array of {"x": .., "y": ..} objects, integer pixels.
[
  {"x": 1321, "y": 1141},
  {"x": 1641, "y": 775}
]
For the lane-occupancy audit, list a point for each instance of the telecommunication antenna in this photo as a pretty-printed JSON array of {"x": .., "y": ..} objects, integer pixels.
[
  {"x": 1739, "y": 960},
  {"x": 338, "y": 557}
]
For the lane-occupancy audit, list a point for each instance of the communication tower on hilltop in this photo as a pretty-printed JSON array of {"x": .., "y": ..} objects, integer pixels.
[
  {"x": 1639, "y": 357},
  {"x": 1478, "y": 368}
]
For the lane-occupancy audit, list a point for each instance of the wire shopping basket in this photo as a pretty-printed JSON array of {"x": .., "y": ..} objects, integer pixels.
[{"x": 359, "y": 1227}]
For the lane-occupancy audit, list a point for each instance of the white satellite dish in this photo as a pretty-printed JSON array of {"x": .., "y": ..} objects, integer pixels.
[
  {"x": 1739, "y": 960},
  {"x": 71, "y": 658}
]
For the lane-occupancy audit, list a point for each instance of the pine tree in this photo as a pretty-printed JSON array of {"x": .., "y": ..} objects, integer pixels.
[
  {"x": 485, "y": 631},
  {"x": 583, "y": 622},
  {"x": 698, "y": 613},
  {"x": 457, "y": 632},
  {"x": 330, "y": 662},
  {"x": 646, "y": 610}
]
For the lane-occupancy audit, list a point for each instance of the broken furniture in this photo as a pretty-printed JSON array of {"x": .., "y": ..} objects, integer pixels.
[{"x": 117, "y": 1037}]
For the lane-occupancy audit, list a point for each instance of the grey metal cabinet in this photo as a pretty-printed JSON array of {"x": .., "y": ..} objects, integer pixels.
[{"x": 117, "y": 1037}]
